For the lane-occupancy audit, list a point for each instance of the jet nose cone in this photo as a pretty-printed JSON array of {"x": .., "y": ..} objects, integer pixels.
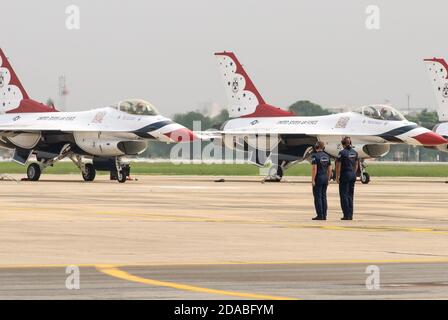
[
  {"x": 182, "y": 135},
  {"x": 430, "y": 138}
]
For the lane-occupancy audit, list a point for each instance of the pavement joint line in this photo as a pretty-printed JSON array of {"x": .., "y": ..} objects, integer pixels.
[
  {"x": 225, "y": 263},
  {"x": 113, "y": 271}
]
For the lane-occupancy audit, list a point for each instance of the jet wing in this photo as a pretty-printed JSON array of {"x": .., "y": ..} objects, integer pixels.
[
  {"x": 99, "y": 120},
  {"x": 56, "y": 126},
  {"x": 316, "y": 133}
]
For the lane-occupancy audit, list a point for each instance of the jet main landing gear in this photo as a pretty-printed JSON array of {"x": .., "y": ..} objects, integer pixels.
[
  {"x": 119, "y": 170},
  {"x": 89, "y": 172},
  {"x": 275, "y": 173},
  {"x": 33, "y": 172}
]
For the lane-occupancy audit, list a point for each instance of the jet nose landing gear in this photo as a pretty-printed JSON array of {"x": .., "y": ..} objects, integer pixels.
[
  {"x": 362, "y": 173},
  {"x": 120, "y": 175},
  {"x": 365, "y": 178},
  {"x": 122, "y": 170},
  {"x": 119, "y": 170}
]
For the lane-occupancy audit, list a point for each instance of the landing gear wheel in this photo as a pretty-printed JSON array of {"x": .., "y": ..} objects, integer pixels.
[
  {"x": 279, "y": 173},
  {"x": 121, "y": 177},
  {"x": 365, "y": 178},
  {"x": 33, "y": 172},
  {"x": 275, "y": 174},
  {"x": 89, "y": 172}
]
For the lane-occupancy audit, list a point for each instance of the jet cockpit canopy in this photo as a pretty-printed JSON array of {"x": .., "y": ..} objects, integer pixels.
[
  {"x": 380, "y": 112},
  {"x": 137, "y": 107}
]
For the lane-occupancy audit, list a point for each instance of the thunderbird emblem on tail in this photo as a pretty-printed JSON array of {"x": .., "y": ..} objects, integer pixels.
[
  {"x": 445, "y": 90},
  {"x": 235, "y": 85}
]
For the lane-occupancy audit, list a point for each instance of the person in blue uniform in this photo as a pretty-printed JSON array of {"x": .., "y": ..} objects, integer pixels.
[
  {"x": 347, "y": 165},
  {"x": 320, "y": 175}
]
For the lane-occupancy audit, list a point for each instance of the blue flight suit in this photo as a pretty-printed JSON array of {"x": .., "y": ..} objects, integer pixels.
[
  {"x": 322, "y": 161},
  {"x": 348, "y": 158}
]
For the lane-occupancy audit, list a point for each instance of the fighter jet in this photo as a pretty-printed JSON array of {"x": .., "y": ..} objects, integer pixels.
[
  {"x": 438, "y": 71},
  {"x": 103, "y": 135},
  {"x": 373, "y": 128}
]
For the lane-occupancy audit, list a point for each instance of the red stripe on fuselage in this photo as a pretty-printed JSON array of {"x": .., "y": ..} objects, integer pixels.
[
  {"x": 430, "y": 139},
  {"x": 182, "y": 135},
  {"x": 266, "y": 110},
  {"x": 30, "y": 106}
]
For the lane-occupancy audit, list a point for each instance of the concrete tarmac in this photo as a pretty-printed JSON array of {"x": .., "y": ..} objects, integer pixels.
[{"x": 181, "y": 237}]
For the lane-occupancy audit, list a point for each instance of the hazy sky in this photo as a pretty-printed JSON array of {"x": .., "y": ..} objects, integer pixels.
[{"x": 162, "y": 51}]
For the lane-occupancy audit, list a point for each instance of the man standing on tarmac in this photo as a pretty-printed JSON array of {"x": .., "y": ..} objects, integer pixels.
[
  {"x": 347, "y": 165},
  {"x": 320, "y": 175}
]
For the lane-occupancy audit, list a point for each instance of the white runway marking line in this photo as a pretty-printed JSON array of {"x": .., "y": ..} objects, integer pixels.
[{"x": 188, "y": 187}]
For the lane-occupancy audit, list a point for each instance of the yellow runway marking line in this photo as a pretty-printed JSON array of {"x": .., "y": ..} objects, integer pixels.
[
  {"x": 34, "y": 209},
  {"x": 120, "y": 274},
  {"x": 160, "y": 217},
  {"x": 373, "y": 228},
  {"x": 44, "y": 266},
  {"x": 286, "y": 224}
]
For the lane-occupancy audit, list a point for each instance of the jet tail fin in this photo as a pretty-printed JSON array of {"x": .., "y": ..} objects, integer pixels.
[
  {"x": 244, "y": 98},
  {"x": 13, "y": 96},
  {"x": 438, "y": 71}
]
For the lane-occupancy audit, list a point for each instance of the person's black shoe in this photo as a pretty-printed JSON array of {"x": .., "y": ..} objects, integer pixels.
[
  {"x": 345, "y": 218},
  {"x": 318, "y": 218}
]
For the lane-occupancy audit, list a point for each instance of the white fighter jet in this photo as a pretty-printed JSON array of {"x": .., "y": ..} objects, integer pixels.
[
  {"x": 438, "y": 71},
  {"x": 372, "y": 128},
  {"x": 103, "y": 135}
]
